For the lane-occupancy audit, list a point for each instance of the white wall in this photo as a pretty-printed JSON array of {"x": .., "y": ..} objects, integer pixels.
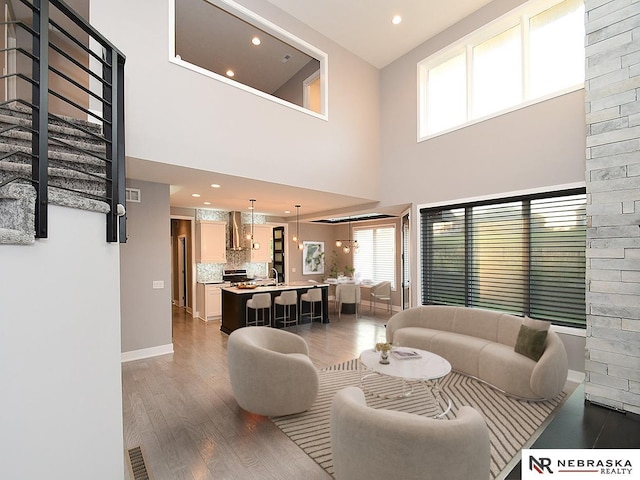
[
  {"x": 61, "y": 401},
  {"x": 179, "y": 117},
  {"x": 144, "y": 259},
  {"x": 536, "y": 147}
]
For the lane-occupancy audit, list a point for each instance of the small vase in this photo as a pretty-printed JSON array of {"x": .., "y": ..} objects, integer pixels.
[{"x": 384, "y": 357}]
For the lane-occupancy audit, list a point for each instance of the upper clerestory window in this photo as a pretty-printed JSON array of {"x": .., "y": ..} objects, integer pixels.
[{"x": 530, "y": 54}]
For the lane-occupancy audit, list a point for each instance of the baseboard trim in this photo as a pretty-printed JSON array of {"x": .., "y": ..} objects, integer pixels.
[
  {"x": 147, "y": 353},
  {"x": 575, "y": 376}
]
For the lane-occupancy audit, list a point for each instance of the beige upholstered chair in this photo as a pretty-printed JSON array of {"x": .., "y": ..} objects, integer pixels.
[
  {"x": 270, "y": 371},
  {"x": 260, "y": 303},
  {"x": 348, "y": 293},
  {"x": 380, "y": 291},
  {"x": 371, "y": 444},
  {"x": 313, "y": 297},
  {"x": 287, "y": 300}
]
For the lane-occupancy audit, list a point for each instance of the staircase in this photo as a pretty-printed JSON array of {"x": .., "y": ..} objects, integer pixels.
[{"x": 76, "y": 167}]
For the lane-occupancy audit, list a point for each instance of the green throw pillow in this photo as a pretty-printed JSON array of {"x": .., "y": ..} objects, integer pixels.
[{"x": 530, "y": 342}]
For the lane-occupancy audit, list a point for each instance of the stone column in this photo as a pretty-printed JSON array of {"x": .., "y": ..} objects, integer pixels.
[{"x": 612, "y": 94}]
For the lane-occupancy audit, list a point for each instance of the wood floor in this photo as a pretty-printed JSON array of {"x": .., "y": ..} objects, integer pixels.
[{"x": 180, "y": 410}]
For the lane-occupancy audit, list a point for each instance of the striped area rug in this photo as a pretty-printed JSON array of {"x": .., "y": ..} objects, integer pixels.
[{"x": 513, "y": 424}]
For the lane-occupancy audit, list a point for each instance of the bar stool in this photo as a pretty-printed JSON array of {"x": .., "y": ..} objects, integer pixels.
[
  {"x": 312, "y": 297},
  {"x": 287, "y": 299},
  {"x": 258, "y": 302}
]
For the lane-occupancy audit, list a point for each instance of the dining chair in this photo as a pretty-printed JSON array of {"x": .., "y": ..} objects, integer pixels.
[
  {"x": 380, "y": 291},
  {"x": 347, "y": 293}
]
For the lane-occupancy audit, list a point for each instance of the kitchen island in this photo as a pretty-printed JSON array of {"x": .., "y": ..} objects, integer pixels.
[{"x": 234, "y": 302}]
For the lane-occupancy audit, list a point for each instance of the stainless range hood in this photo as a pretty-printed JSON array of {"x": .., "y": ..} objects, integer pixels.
[{"x": 235, "y": 231}]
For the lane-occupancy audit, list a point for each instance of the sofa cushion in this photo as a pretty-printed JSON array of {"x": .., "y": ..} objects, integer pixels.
[
  {"x": 531, "y": 338},
  {"x": 476, "y": 322},
  {"x": 415, "y": 337},
  {"x": 500, "y": 367},
  {"x": 462, "y": 351},
  {"x": 508, "y": 328}
]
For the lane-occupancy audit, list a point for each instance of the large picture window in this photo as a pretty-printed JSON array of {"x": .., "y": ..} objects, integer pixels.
[
  {"x": 524, "y": 256},
  {"x": 531, "y": 54},
  {"x": 375, "y": 258}
]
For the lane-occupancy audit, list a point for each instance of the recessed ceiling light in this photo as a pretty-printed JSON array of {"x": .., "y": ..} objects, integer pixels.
[
  {"x": 256, "y": 41},
  {"x": 207, "y": 203},
  {"x": 195, "y": 195},
  {"x": 215, "y": 185},
  {"x": 396, "y": 19},
  {"x": 287, "y": 211},
  {"x": 230, "y": 73}
]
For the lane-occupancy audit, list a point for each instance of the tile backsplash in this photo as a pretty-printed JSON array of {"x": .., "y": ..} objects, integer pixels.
[{"x": 212, "y": 272}]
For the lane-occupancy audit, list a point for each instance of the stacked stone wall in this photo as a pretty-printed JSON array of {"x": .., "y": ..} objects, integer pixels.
[{"x": 612, "y": 95}]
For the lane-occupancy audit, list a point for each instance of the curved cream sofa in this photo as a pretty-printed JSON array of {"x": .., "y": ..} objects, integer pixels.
[
  {"x": 372, "y": 444},
  {"x": 270, "y": 371},
  {"x": 480, "y": 343}
]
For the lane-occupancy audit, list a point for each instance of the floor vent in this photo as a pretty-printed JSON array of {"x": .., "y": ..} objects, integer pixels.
[{"x": 136, "y": 461}]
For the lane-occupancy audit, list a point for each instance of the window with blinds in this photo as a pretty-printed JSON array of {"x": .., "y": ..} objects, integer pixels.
[
  {"x": 524, "y": 256},
  {"x": 375, "y": 259}
]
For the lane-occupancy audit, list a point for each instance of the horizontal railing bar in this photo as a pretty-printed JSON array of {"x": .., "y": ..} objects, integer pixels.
[
  {"x": 13, "y": 179},
  {"x": 19, "y": 100},
  {"x": 19, "y": 49},
  {"x": 76, "y": 84},
  {"x": 82, "y": 129},
  {"x": 78, "y": 149},
  {"x": 76, "y": 105},
  {"x": 16, "y": 152},
  {"x": 75, "y": 62},
  {"x": 84, "y": 194},
  {"x": 23, "y": 25},
  {"x": 29, "y": 5},
  {"x": 16, "y": 127},
  {"x": 84, "y": 25},
  {"x": 19, "y": 75},
  {"x": 78, "y": 42},
  {"x": 52, "y": 164}
]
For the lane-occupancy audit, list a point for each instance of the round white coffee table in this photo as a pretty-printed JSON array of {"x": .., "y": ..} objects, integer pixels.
[{"x": 427, "y": 369}]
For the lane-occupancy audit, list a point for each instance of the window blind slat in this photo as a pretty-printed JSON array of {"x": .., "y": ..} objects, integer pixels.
[
  {"x": 375, "y": 259},
  {"x": 524, "y": 256}
]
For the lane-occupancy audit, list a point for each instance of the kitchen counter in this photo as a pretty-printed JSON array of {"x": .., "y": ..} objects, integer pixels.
[
  {"x": 234, "y": 302},
  {"x": 275, "y": 288}
]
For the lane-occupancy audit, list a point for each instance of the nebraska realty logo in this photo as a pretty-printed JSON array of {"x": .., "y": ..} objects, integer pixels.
[{"x": 580, "y": 463}]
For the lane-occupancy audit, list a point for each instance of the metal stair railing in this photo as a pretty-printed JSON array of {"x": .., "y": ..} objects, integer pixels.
[{"x": 110, "y": 77}]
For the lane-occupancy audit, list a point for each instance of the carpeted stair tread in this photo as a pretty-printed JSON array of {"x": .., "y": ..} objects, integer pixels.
[
  {"x": 53, "y": 154},
  {"x": 20, "y": 111},
  {"x": 73, "y": 200},
  {"x": 17, "y": 213},
  {"x": 73, "y": 165},
  {"x": 23, "y": 137},
  {"x": 60, "y": 127}
]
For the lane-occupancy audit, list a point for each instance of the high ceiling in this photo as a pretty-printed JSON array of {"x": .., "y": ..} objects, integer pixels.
[
  {"x": 421, "y": 19},
  {"x": 358, "y": 19}
]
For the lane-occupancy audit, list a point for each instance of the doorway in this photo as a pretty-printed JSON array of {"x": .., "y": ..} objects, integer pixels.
[
  {"x": 183, "y": 273},
  {"x": 278, "y": 252}
]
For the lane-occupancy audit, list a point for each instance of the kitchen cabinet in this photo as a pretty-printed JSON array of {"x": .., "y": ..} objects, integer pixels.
[
  {"x": 262, "y": 234},
  {"x": 209, "y": 301},
  {"x": 211, "y": 242}
]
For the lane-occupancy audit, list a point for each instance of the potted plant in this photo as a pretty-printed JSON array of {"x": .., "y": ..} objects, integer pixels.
[{"x": 384, "y": 348}]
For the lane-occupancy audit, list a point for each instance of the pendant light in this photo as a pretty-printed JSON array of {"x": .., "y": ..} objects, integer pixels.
[
  {"x": 296, "y": 237},
  {"x": 254, "y": 245},
  {"x": 348, "y": 244}
]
